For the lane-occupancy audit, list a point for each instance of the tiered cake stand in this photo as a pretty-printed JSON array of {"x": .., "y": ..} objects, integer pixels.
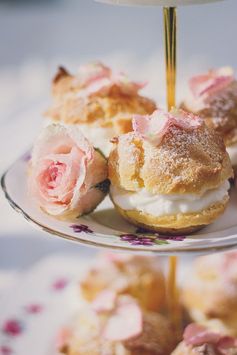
[{"x": 104, "y": 227}]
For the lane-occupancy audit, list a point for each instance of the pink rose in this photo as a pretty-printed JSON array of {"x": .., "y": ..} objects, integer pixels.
[{"x": 66, "y": 171}]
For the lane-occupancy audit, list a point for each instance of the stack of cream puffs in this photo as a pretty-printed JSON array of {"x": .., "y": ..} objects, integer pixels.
[
  {"x": 170, "y": 174},
  {"x": 99, "y": 100},
  {"x": 213, "y": 96},
  {"x": 203, "y": 341},
  {"x": 210, "y": 295}
]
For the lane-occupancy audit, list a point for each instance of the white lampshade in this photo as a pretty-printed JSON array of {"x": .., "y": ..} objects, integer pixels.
[{"x": 157, "y": 2}]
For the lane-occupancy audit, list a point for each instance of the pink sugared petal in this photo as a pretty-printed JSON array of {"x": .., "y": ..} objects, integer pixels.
[
  {"x": 196, "y": 334},
  {"x": 206, "y": 84},
  {"x": 155, "y": 127},
  {"x": 126, "y": 322},
  {"x": 105, "y": 301},
  {"x": 89, "y": 73},
  {"x": 226, "y": 342}
]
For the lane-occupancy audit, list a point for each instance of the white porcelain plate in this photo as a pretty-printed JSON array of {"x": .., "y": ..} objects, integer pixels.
[{"x": 105, "y": 228}]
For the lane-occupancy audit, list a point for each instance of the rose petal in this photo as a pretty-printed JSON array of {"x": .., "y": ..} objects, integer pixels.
[
  {"x": 206, "y": 84},
  {"x": 92, "y": 72},
  {"x": 155, "y": 126},
  {"x": 105, "y": 301},
  {"x": 96, "y": 78},
  {"x": 196, "y": 334},
  {"x": 125, "y": 323}
]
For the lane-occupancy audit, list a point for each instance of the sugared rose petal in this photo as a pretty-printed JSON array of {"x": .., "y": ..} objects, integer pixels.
[
  {"x": 105, "y": 301},
  {"x": 92, "y": 72},
  {"x": 196, "y": 335},
  {"x": 156, "y": 126},
  {"x": 96, "y": 78},
  {"x": 125, "y": 322},
  {"x": 206, "y": 84}
]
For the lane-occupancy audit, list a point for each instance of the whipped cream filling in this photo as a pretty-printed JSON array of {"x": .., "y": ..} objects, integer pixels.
[
  {"x": 99, "y": 137},
  {"x": 162, "y": 205},
  {"x": 232, "y": 151}
]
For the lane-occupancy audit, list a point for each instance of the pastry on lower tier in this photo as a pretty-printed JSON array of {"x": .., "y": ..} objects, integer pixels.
[
  {"x": 200, "y": 340},
  {"x": 211, "y": 291},
  {"x": 117, "y": 326},
  {"x": 170, "y": 174},
  {"x": 213, "y": 96},
  {"x": 138, "y": 276},
  {"x": 99, "y": 100},
  {"x": 68, "y": 177}
]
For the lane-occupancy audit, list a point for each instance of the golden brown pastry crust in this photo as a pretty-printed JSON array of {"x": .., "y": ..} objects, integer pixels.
[
  {"x": 220, "y": 113},
  {"x": 113, "y": 110},
  {"x": 175, "y": 224},
  {"x": 185, "y": 162}
]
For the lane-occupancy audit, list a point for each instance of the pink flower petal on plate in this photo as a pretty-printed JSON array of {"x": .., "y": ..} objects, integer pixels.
[
  {"x": 60, "y": 284},
  {"x": 5, "y": 350},
  {"x": 105, "y": 301},
  {"x": 34, "y": 308},
  {"x": 124, "y": 323},
  {"x": 12, "y": 327}
]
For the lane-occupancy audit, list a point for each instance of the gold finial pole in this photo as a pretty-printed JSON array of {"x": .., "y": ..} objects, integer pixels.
[
  {"x": 170, "y": 59},
  {"x": 169, "y": 14}
]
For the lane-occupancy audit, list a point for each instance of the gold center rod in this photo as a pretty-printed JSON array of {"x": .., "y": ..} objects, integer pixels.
[{"x": 170, "y": 16}]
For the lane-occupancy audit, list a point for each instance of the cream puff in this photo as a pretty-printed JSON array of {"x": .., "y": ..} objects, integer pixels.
[
  {"x": 138, "y": 276},
  {"x": 98, "y": 100},
  {"x": 211, "y": 291},
  {"x": 213, "y": 96},
  {"x": 117, "y": 326},
  {"x": 200, "y": 340},
  {"x": 170, "y": 174},
  {"x": 67, "y": 176}
]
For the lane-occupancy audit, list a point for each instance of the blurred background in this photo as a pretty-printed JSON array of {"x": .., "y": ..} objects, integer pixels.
[{"x": 37, "y": 36}]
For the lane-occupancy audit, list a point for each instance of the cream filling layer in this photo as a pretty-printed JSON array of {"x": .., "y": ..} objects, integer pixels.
[
  {"x": 232, "y": 151},
  {"x": 99, "y": 137},
  {"x": 162, "y": 205}
]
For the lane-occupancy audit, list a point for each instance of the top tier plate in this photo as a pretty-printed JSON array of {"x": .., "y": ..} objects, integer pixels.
[
  {"x": 105, "y": 228},
  {"x": 157, "y": 2}
]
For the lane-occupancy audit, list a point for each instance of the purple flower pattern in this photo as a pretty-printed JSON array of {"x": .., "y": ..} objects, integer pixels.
[
  {"x": 147, "y": 238},
  {"x": 79, "y": 228}
]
